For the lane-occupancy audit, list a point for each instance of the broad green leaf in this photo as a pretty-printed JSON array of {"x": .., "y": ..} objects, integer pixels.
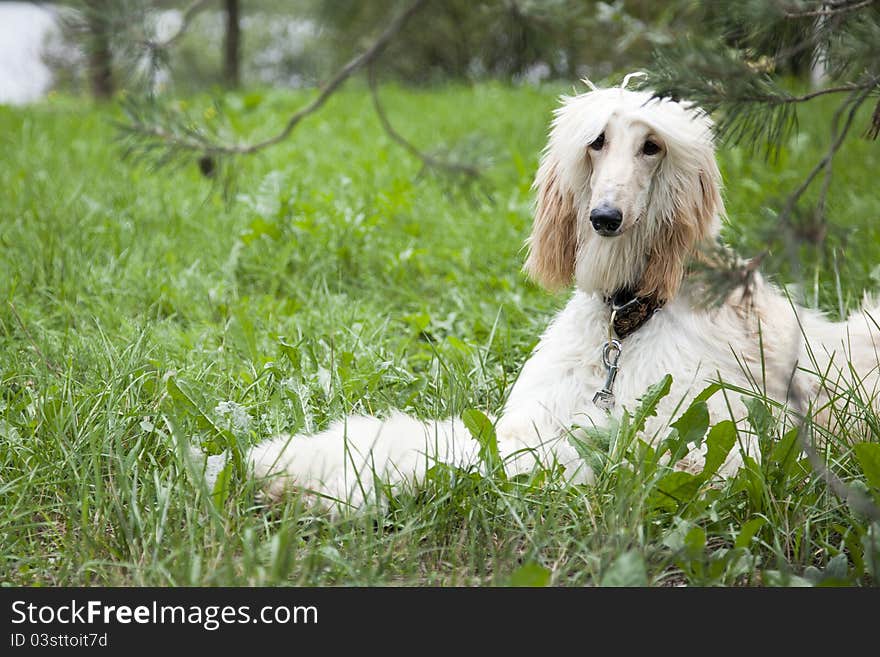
[
  {"x": 868, "y": 455},
  {"x": 592, "y": 443},
  {"x": 598, "y": 435},
  {"x": 695, "y": 540},
  {"x": 593, "y": 457},
  {"x": 688, "y": 430},
  {"x": 530, "y": 574},
  {"x": 707, "y": 392},
  {"x": 748, "y": 531},
  {"x": 749, "y": 479},
  {"x": 837, "y": 568},
  {"x": 483, "y": 432},
  {"x": 181, "y": 394},
  {"x": 674, "y": 538},
  {"x": 674, "y": 489},
  {"x": 291, "y": 352},
  {"x": 693, "y": 423},
  {"x": 646, "y": 458},
  {"x": 719, "y": 442},
  {"x": 627, "y": 570},
  {"x": 760, "y": 418}
]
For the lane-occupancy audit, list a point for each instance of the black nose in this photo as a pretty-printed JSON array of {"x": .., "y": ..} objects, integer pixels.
[{"x": 605, "y": 219}]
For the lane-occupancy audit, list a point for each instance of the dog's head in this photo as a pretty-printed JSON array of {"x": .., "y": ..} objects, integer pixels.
[{"x": 627, "y": 188}]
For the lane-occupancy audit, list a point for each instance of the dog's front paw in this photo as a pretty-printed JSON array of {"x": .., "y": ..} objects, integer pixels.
[{"x": 524, "y": 444}]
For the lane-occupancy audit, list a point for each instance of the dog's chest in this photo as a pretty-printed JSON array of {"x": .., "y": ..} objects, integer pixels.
[{"x": 682, "y": 346}]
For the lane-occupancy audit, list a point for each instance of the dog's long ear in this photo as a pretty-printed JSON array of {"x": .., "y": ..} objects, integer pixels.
[
  {"x": 553, "y": 242},
  {"x": 689, "y": 218}
]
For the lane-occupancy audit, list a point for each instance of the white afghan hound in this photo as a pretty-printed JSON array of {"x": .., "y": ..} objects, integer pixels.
[{"x": 628, "y": 194}]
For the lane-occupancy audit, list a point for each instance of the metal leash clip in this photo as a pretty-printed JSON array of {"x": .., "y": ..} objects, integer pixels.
[
  {"x": 604, "y": 398},
  {"x": 611, "y": 350}
]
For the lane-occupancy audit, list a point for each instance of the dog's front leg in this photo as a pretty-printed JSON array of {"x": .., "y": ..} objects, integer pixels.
[
  {"x": 537, "y": 434},
  {"x": 554, "y": 391}
]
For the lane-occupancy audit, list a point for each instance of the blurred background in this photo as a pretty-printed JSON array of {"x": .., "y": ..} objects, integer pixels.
[
  {"x": 206, "y": 83},
  {"x": 395, "y": 92},
  {"x": 97, "y": 46}
]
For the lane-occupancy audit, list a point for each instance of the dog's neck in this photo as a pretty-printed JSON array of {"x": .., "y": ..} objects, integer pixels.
[{"x": 613, "y": 269}]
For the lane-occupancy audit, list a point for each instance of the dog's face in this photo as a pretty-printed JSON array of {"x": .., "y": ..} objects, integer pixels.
[
  {"x": 628, "y": 187},
  {"x": 624, "y": 159}
]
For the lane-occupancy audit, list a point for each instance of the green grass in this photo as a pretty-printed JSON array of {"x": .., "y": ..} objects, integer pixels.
[{"x": 135, "y": 305}]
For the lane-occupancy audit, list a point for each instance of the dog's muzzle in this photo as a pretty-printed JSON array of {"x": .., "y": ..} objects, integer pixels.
[{"x": 606, "y": 220}]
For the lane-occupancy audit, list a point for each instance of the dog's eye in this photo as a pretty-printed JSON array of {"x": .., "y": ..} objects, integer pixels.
[
  {"x": 650, "y": 148},
  {"x": 598, "y": 143}
]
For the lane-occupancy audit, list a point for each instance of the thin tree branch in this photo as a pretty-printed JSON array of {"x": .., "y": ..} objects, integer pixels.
[
  {"x": 873, "y": 129},
  {"x": 855, "y": 101},
  {"x": 826, "y": 183},
  {"x": 769, "y": 99},
  {"x": 429, "y": 161},
  {"x": 829, "y": 90},
  {"x": 341, "y": 76},
  {"x": 208, "y": 148}
]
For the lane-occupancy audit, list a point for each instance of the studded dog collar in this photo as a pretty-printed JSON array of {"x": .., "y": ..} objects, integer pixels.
[{"x": 631, "y": 312}]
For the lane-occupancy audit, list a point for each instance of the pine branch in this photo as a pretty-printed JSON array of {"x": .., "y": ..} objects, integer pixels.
[
  {"x": 721, "y": 272},
  {"x": 160, "y": 135},
  {"x": 716, "y": 77},
  {"x": 731, "y": 71}
]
